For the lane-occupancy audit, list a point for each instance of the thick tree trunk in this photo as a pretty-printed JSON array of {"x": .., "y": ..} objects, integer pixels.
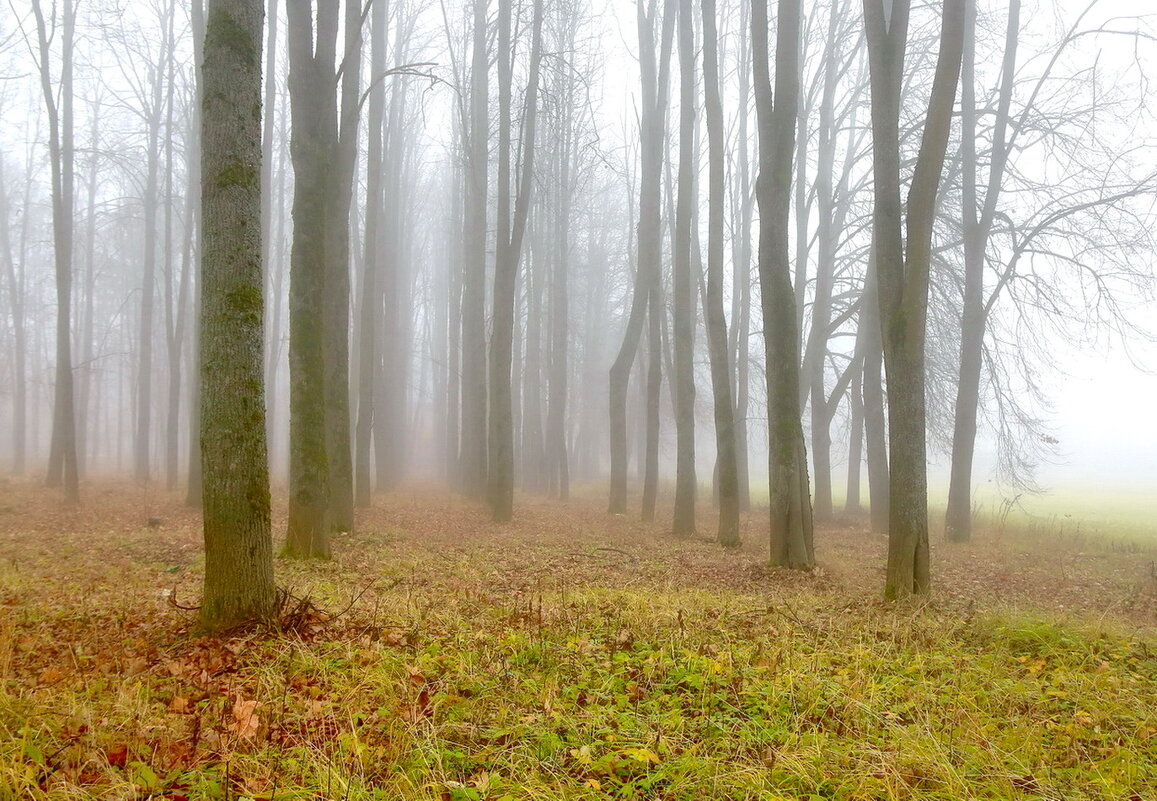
[
  {"x": 239, "y": 584},
  {"x": 903, "y": 270},
  {"x": 311, "y": 146},
  {"x": 790, "y": 501}
]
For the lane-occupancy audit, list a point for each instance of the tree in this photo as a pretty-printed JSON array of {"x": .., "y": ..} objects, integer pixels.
[
  {"x": 239, "y": 584},
  {"x": 726, "y": 462},
  {"x": 977, "y": 224},
  {"x": 472, "y": 455},
  {"x": 684, "y": 299},
  {"x": 902, "y": 269},
  {"x": 323, "y": 147},
  {"x": 15, "y": 285},
  {"x": 511, "y": 229},
  {"x": 654, "y": 73},
  {"x": 791, "y": 519},
  {"x": 63, "y": 464}
]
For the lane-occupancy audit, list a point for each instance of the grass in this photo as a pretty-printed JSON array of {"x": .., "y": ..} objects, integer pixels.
[{"x": 570, "y": 656}]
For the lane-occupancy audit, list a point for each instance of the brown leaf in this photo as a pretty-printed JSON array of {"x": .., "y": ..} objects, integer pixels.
[
  {"x": 179, "y": 705},
  {"x": 51, "y": 675},
  {"x": 245, "y": 718},
  {"x": 118, "y": 755}
]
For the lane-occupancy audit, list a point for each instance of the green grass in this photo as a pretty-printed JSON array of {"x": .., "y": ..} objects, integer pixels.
[
  {"x": 620, "y": 694},
  {"x": 572, "y": 656}
]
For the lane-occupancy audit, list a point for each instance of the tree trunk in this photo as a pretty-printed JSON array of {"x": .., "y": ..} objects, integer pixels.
[
  {"x": 473, "y": 456},
  {"x": 815, "y": 353},
  {"x": 725, "y": 460},
  {"x": 238, "y": 545},
  {"x": 875, "y": 412},
  {"x": 511, "y": 228},
  {"x": 903, "y": 270},
  {"x": 63, "y": 466},
  {"x": 741, "y": 323},
  {"x": 977, "y": 227},
  {"x": 371, "y": 300},
  {"x": 19, "y": 335},
  {"x": 683, "y": 301},
  {"x": 791, "y": 519},
  {"x": 654, "y": 72}
]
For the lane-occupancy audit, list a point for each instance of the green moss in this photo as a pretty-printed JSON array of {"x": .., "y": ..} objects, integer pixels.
[
  {"x": 238, "y": 174},
  {"x": 223, "y": 33},
  {"x": 245, "y": 300}
]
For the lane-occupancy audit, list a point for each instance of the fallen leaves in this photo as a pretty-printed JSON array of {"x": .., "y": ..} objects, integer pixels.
[{"x": 246, "y": 721}]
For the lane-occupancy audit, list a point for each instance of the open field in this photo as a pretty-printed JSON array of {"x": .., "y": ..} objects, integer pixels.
[{"x": 570, "y": 655}]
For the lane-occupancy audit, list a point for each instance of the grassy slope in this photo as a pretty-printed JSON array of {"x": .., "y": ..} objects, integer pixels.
[{"x": 569, "y": 656}]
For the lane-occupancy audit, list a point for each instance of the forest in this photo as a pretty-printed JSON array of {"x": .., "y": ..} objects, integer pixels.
[{"x": 482, "y": 400}]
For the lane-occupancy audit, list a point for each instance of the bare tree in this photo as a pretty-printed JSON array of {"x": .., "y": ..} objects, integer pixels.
[
  {"x": 511, "y": 223},
  {"x": 791, "y": 518},
  {"x": 726, "y": 464},
  {"x": 902, "y": 268},
  {"x": 238, "y": 544},
  {"x": 63, "y": 464}
]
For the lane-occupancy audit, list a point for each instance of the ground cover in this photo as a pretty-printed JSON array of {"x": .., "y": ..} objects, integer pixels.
[{"x": 569, "y": 655}]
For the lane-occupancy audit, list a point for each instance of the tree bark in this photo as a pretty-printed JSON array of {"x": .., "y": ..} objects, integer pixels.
[
  {"x": 791, "y": 518},
  {"x": 683, "y": 302},
  {"x": 511, "y": 229},
  {"x": 473, "y": 453},
  {"x": 978, "y": 219},
  {"x": 239, "y": 584},
  {"x": 63, "y": 464},
  {"x": 725, "y": 460},
  {"x": 371, "y": 300},
  {"x": 903, "y": 270}
]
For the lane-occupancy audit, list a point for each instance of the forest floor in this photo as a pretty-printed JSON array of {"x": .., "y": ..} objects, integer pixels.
[{"x": 568, "y": 655}]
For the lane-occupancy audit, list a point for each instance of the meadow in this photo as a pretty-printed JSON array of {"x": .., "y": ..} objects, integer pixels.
[{"x": 571, "y": 655}]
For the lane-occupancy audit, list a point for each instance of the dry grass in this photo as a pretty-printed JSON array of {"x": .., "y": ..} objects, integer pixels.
[{"x": 570, "y": 655}]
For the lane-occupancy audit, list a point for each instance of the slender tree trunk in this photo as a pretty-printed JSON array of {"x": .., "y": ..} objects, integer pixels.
[
  {"x": 336, "y": 335},
  {"x": 852, "y": 502},
  {"x": 725, "y": 460},
  {"x": 19, "y": 335},
  {"x": 311, "y": 146},
  {"x": 791, "y": 519},
  {"x": 815, "y": 353},
  {"x": 273, "y": 269},
  {"x": 654, "y": 74},
  {"x": 875, "y": 412},
  {"x": 238, "y": 544},
  {"x": 977, "y": 221},
  {"x": 684, "y": 297},
  {"x": 741, "y": 325},
  {"x": 63, "y": 465},
  {"x": 511, "y": 228},
  {"x": 195, "y": 484},
  {"x": 473, "y": 456},
  {"x": 372, "y": 300},
  {"x": 556, "y": 448}
]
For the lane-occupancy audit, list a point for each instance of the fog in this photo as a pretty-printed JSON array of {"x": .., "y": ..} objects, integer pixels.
[{"x": 556, "y": 263}]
